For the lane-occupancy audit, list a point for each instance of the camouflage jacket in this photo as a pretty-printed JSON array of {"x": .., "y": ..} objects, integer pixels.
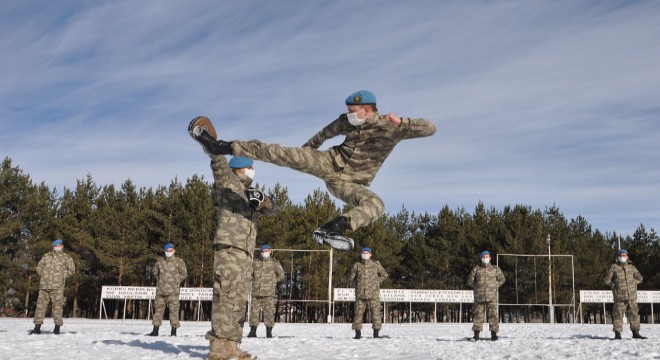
[
  {"x": 54, "y": 268},
  {"x": 486, "y": 279},
  {"x": 237, "y": 222},
  {"x": 366, "y": 147},
  {"x": 367, "y": 276},
  {"x": 169, "y": 274},
  {"x": 623, "y": 280},
  {"x": 266, "y": 273}
]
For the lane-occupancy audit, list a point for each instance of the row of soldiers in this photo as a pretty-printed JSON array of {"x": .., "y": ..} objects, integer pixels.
[{"x": 367, "y": 275}]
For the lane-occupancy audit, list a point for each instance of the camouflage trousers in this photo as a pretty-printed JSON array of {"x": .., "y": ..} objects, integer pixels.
[
  {"x": 265, "y": 303},
  {"x": 172, "y": 302},
  {"x": 478, "y": 316},
  {"x": 232, "y": 279},
  {"x": 629, "y": 308},
  {"x": 367, "y": 207},
  {"x": 376, "y": 316},
  {"x": 56, "y": 298}
]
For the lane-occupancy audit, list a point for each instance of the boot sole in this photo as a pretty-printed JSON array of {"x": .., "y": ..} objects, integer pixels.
[
  {"x": 338, "y": 242},
  {"x": 205, "y": 123}
]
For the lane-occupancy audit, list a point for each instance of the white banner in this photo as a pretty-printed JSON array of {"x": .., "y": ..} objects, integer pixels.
[
  {"x": 149, "y": 293},
  {"x": 606, "y": 296},
  {"x": 410, "y": 295}
]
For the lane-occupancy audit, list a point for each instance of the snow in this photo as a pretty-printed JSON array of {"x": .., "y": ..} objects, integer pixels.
[{"x": 116, "y": 339}]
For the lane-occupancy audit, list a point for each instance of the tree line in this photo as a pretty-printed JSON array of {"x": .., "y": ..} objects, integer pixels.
[{"x": 115, "y": 234}]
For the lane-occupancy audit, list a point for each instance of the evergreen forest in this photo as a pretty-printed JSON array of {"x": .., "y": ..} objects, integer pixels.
[{"x": 115, "y": 234}]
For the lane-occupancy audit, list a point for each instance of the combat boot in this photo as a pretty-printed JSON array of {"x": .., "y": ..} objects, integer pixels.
[
  {"x": 617, "y": 335},
  {"x": 36, "y": 330},
  {"x": 57, "y": 330},
  {"x": 332, "y": 233},
  {"x": 269, "y": 332},
  {"x": 153, "y": 332},
  {"x": 200, "y": 129},
  {"x": 493, "y": 335},
  {"x": 173, "y": 332},
  {"x": 636, "y": 335},
  {"x": 219, "y": 350},
  {"x": 253, "y": 332},
  {"x": 238, "y": 353},
  {"x": 376, "y": 331},
  {"x": 358, "y": 334},
  {"x": 476, "y": 335}
]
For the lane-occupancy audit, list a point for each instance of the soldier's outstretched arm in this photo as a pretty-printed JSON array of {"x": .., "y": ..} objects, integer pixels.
[{"x": 331, "y": 130}]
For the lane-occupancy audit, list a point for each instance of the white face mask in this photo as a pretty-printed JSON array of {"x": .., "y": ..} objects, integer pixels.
[
  {"x": 485, "y": 261},
  {"x": 249, "y": 173},
  {"x": 366, "y": 256},
  {"x": 354, "y": 120},
  {"x": 622, "y": 259},
  {"x": 169, "y": 253},
  {"x": 265, "y": 255}
]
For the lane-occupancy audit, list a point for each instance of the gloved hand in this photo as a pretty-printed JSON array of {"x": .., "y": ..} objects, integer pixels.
[{"x": 256, "y": 198}]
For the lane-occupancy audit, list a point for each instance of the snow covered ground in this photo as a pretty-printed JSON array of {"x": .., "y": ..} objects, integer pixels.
[{"x": 114, "y": 339}]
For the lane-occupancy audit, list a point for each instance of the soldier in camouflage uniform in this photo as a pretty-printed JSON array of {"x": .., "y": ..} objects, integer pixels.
[
  {"x": 367, "y": 275},
  {"x": 347, "y": 169},
  {"x": 623, "y": 277},
  {"x": 53, "y": 268},
  {"x": 169, "y": 271},
  {"x": 238, "y": 207},
  {"x": 485, "y": 279},
  {"x": 266, "y": 274}
]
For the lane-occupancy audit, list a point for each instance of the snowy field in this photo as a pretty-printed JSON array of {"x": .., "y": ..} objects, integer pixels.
[{"x": 114, "y": 339}]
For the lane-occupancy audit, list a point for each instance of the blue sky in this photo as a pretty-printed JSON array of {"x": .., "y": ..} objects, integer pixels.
[{"x": 538, "y": 103}]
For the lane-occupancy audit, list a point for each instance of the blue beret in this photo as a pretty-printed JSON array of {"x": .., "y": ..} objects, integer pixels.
[
  {"x": 622, "y": 251},
  {"x": 362, "y": 97},
  {"x": 56, "y": 242},
  {"x": 366, "y": 249},
  {"x": 239, "y": 162},
  {"x": 485, "y": 252},
  {"x": 168, "y": 246},
  {"x": 265, "y": 247}
]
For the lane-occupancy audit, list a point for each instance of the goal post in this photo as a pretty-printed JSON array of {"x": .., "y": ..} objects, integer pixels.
[{"x": 539, "y": 280}]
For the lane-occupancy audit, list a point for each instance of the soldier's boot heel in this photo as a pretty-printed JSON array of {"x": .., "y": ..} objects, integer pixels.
[
  {"x": 376, "y": 331},
  {"x": 476, "y": 335},
  {"x": 173, "y": 332},
  {"x": 36, "y": 330},
  {"x": 57, "y": 330},
  {"x": 617, "y": 335},
  {"x": 636, "y": 335},
  {"x": 358, "y": 334},
  {"x": 253, "y": 332},
  {"x": 269, "y": 332},
  {"x": 153, "y": 332},
  {"x": 493, "y": 336}
]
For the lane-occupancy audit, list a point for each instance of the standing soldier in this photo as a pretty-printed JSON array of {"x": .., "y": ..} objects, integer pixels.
[
  {"x": 266, "y": 274},
  {"x": 367, "y": 275},
  {"x": 347, "y": 169},
  {"x": 53, "y": 268},
  {"x": 623, "y": 278},
  {"x": 238, "y": 207},
  {"x": 169, "y": 271},
  {"x": 485, "y": 279}
]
